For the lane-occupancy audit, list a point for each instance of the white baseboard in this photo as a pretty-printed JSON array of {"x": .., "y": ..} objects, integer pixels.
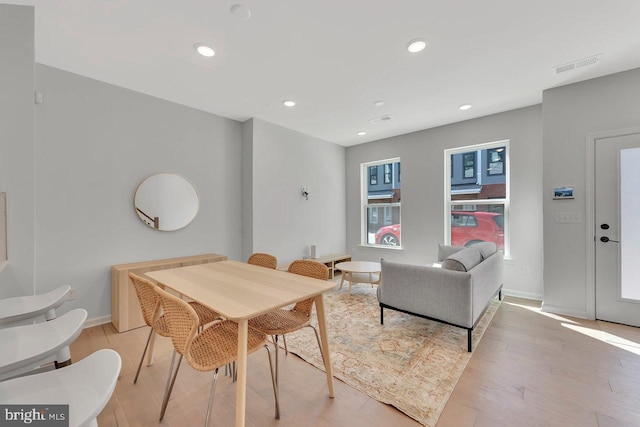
[
  {"x": 97, "y": 321},
  {"x": 520, "y": 294},
  {"x": 564, "y": 311}
]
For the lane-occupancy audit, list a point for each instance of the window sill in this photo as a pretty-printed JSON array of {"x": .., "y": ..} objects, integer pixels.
[{"x": 383, "y": 247}]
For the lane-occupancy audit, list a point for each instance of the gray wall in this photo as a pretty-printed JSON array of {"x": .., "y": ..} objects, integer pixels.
[
  {"x": 284, "y": 223},
  {"x": 422, "y": 157},
  {"x": 570, "y": 114},
  {"x": 17, "y": 147},
  {"x": 94, "y": 144}
]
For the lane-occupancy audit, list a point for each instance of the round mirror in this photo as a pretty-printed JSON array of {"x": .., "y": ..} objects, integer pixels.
[{"x": 166, "y": 202}]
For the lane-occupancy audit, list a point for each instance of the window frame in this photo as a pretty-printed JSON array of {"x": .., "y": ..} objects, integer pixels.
[
  {"x": 365, "y": 205},
  {"x": 505, "y": 202}
]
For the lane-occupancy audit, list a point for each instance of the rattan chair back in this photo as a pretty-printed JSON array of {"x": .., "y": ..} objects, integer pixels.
[
  {"x": 148, "y": 299},
  {"x": 181, "y": 319},
  {"x": 215, "y": 346},
  {"x": 263, "y": 260},
  {"x": 309, "y": 268}
]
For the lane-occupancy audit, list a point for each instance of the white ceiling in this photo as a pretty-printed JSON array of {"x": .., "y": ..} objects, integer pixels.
[{"x": 336, "y": 57}]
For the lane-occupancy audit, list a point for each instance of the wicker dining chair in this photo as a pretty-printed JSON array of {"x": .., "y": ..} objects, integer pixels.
[
  {"x": 208, "y": 350},
  {"x": 150, "y": 306},
  {"x": 263, "y": 260},
  {"x": 283, "y": 321}
]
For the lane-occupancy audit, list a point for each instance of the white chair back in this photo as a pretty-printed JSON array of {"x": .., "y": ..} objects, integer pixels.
[
  {"x": 19, "y": 309},
  {"x": 25, "y": 348},
  {"x": 86, "y": 386}
]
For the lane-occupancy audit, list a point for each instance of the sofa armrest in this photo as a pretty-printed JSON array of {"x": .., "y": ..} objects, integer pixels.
[
  {"x": 428, "y": 291},
  {"x": 487, "y": 280}
]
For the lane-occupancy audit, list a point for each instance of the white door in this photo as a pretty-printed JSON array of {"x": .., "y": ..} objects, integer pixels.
[{"x": 617, "y": 233}]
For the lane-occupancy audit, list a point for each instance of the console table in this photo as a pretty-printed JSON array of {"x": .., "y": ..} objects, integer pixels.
[
  {"x": 125, "y": 309},
  {"x": 329, "y": 260}
]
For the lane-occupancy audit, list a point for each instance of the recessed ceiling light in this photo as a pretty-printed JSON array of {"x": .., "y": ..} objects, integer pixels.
[
  {"x": 362, "y": 133},
  {"x": 417, "y": 45},
  {"x": 240, "y": 11},
  {"x": 464, "y": 107},
  {"x": 289, "y": 103},
  {"x": 378, "y": 103},
  {"x": 205, "y": 50}
]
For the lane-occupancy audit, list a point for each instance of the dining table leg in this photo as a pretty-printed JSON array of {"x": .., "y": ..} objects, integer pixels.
[
  {"x": 324, "y": 337},
  {"x": 241, "y": 385}
]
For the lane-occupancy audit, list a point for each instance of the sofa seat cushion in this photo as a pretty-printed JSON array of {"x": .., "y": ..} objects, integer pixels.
[
  {"x": 463, "y": 260},
  {"x": 486, "y": 249}
]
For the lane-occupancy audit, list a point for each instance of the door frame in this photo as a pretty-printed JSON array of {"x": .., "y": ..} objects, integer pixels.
[{"x": 590, "y": 225}]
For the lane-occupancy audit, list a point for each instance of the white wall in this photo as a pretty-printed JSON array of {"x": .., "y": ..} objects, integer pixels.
[
  {"x": 284, "y": 223},
  {"x": 422, "y": 157},
  {"x": 17, "y": 146},
  {"x": 570, "y": 114},
  {"x": 94, "y": 144}
]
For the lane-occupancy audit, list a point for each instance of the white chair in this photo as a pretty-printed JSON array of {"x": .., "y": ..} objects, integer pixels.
[
  {"x": 19, "y": 309},
  {"x": 28, "y": 347},
  {"x": 86, "y": 386}
]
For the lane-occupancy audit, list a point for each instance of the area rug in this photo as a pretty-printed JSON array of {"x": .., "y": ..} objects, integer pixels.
[{"x": 409, "y": 362}]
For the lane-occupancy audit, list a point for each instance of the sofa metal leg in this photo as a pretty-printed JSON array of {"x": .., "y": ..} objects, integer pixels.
[
  {"x": 500, "y": 295},
  {"x": 381, "y": 316},
  {"x": 469, "y": 340}
]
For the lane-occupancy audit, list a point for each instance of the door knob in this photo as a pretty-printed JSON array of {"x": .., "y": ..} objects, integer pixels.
[{"x": 605, "y": 239}]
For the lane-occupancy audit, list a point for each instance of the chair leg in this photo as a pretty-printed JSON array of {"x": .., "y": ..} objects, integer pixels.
[
  {"x": 135, "y": 380},
  {"x": 170, "y": 382},
  {"x": 275, "y": 345},
  {"x": 63, "y": 358},
  {"x": 213, "y": 390},
  {"x": 286, "y": 350},
  {"x": 273, "y": 381}
]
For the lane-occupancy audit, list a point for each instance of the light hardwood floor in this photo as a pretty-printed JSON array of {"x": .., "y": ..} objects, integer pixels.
[{"x": 530, "y": 369}]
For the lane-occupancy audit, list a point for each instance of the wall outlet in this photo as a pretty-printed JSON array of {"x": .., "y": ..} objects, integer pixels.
[
  {"x": 525, "y": 270},
  {"x": 72, "y": 294}
]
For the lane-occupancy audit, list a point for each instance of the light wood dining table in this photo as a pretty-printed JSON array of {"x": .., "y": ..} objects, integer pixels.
[{"x": 240, "y": 291}]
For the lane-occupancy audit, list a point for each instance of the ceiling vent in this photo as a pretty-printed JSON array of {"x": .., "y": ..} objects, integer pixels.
[
  {"x": 380, "y": 119},
  {"x": 578, "y": 64}
]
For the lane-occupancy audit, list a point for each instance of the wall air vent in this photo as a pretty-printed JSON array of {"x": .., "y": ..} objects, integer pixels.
[
  {"x": 380, "y": 119},
  {"x": 578, "y": 64}
]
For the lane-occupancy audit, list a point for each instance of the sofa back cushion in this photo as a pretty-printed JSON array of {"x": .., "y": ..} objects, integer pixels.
[
  {"x": 463, "y": 260},
  {"x": 486, "y": 249},
  {"x": 445, "y": 250}
]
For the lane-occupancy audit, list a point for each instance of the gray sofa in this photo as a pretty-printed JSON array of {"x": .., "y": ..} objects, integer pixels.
[{"x": 457, "y": 293}]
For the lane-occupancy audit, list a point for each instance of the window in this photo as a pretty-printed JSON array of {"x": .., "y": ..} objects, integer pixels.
[
  {"x": 469, "y": 165},
  {"x": 387, "y": 173},
  {"x": 374, "y": 216},
  {"x": 478, "y": 212},
  {"x": 495, "y": 161},
  {"x": 373, "y": 175},
  {"x": 381, "y": 204}
]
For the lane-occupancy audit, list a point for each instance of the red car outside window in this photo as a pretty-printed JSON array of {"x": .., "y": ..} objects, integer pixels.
[{"x": 466, "y": 228}]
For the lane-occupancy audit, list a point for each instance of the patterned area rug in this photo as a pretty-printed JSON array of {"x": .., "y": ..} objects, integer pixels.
[{"x": 409, "y": 362}]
